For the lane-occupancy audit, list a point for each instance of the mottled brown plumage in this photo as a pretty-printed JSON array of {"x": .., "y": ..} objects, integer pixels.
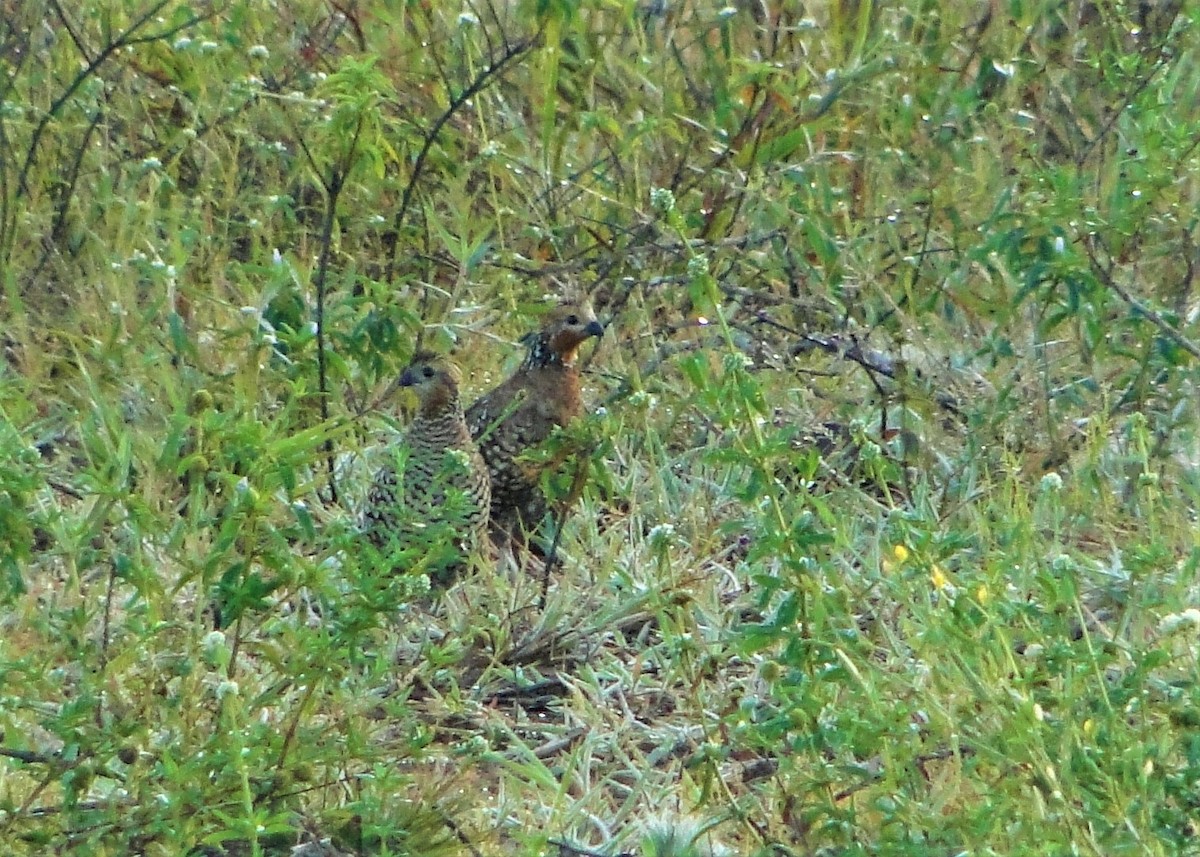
[
  {"x": 522, "y": 412},
  {"x": 445, "y": 481}
]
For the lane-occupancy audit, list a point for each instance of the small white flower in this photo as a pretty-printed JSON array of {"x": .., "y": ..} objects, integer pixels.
[
  {"x": 662, "y": 199},
  {"x": 1175, "y": 622},
  {"x": 208, "y": 47},
  {"x": 466, "y": 19},
  {"x": 1051, "y": 483},
  {"x": 660, "y": 534},
  {"x": 1062, "y": 564},
  {"x": 151, "y": 163},
  {"x": 213, "y": 641},
  {"x": 735, "y": 361},
  {"x": 249, "y": 311},
  {"x": 661, "y": 531},
  {"x": 697, "y": 266},
  {"x": 727, "y": 12},
  {"x": 182, "y": 43},
  {"x": 331, "y": 563},
  {"x": 474, "y": 745},
  {"x": 258, "y": 52},
  {"x": 227, "y": 688},
  {"x": 642, "y": 399}
]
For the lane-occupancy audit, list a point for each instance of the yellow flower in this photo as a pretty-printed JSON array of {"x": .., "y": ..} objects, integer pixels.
[
  {"x": 938, "y": 578},
  {"x": 894, "y": 558}
]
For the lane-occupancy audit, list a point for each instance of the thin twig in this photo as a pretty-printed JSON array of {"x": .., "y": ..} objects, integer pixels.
[
  {"x": 577, "y": 483},
  {"x": 1155, "y": 318},
  {"x": 456, "y": 103},
  {"x": 125, "y": 39}
]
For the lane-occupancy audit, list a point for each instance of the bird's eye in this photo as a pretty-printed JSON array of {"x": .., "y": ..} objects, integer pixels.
[
  {"x": 572, "y": 320},
  {"x": 427, "y": 372}
]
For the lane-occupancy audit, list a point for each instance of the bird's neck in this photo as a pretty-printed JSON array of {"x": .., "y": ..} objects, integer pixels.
[
  {"x": 542, "y": 356},
  {"x": 441, "y": 404}
]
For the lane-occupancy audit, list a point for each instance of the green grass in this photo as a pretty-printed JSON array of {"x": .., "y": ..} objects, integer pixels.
[{"x": 966, "y": 236}]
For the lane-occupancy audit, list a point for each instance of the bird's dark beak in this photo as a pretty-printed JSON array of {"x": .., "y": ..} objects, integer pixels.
[
  {"x": 408, "y": 378},
  {"x": 594, "y": 328}
]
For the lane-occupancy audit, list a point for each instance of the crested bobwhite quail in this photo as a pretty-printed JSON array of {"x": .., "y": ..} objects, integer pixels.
[
  {"x": 522, "y": 412},
  {"x": 444, "y": 494}
]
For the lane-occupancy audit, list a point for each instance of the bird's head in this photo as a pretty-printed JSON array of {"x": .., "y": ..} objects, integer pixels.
[
  {"x": 434, "y": 379},
  {"x": 563, "y": 330}
]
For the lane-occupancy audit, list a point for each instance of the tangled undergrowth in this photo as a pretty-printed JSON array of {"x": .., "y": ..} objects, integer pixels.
[{"x": 887, "y": 542}]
